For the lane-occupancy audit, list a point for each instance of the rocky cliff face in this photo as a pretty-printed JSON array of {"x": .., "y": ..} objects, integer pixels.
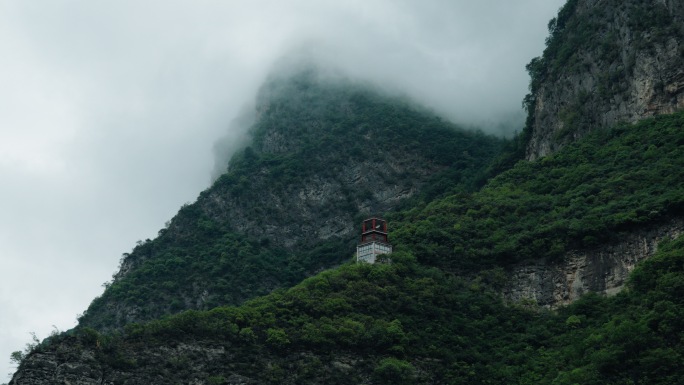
[
  {"x": 606, "y": 62},
  {"x": 319, "y": 207},
  {"x": 603, "y": 270}
]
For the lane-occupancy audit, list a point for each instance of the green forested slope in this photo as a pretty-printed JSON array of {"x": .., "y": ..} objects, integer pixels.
[
  {"x": 404, "y": 323},
  {"x": 611, "y": 182}
]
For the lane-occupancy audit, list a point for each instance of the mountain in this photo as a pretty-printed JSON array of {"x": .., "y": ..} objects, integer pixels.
[
  {"x": 605, "y": 62},
  {"x": 563, "y": 270},
  {"x": 325, "y": 152}
]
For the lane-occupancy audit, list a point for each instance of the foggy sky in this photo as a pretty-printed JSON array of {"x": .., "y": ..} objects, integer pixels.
[{"x": 109, "y": 111}]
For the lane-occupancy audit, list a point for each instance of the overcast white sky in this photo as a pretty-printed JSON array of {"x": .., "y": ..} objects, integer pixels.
[{"x": 109, "y": 110}]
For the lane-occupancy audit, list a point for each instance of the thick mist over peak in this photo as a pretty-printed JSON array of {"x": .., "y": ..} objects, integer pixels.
[{"x": 109, "y": 111}]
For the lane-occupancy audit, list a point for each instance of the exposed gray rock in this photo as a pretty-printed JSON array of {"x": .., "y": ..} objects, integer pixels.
[
  {"x": 200, "y": 362},
  {"x": 301, "y": 204},
  {"x": 73, "y": 364},
  {"x": 625, "y": 74},
  {"x": 59, "y": 368},
  {"x": 602, "y": 270}
]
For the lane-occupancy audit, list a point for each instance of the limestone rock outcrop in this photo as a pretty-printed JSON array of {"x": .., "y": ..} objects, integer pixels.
[
  {"x": 603, "y": 270},
  {"x": 606, "y": 62}
]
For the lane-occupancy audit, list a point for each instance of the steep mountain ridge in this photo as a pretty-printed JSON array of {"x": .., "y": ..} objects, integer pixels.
[{"x": 606, "y": 62}]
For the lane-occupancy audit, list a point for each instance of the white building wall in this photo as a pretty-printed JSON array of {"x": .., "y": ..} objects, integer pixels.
[{"x": 368, "y": 252}]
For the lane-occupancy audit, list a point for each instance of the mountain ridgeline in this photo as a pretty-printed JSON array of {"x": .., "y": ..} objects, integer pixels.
[
  {"x": 254, "y": 283},
  {"x": 325, "y": 153}
]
